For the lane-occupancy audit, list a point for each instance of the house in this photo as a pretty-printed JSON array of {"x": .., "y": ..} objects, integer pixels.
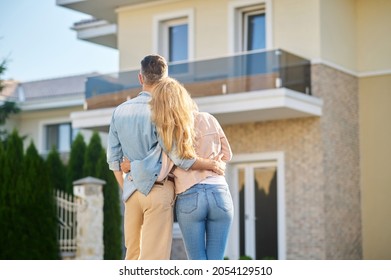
[
  {"x": 46, "y": 106},
  {"x": 301, "y": 88}
]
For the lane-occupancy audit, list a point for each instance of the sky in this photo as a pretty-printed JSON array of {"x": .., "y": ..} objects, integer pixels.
[{"x": 38, "y": 43}]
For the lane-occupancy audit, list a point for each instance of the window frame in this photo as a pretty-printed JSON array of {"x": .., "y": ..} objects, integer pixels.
[
  {"x": 162, "y": 23},
  {"x": 238, "y": 10},
  {"x": 248, "y": 159},
  {"x": 166, "y": 47},
  {"x": 43, "y": 135},
  {"x": 246, "y": 28}
]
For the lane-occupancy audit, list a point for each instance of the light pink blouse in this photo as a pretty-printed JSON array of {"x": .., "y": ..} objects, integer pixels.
[{"x": 210, "y": 142}]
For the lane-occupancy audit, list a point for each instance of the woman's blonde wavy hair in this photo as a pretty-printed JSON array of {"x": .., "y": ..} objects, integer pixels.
[{"x": 173, "y": 114}]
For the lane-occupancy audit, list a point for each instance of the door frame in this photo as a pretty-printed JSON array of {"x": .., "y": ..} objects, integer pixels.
[{"x": 232, "y": 251}]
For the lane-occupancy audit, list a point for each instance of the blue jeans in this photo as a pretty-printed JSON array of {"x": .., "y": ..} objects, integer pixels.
[{"x": 205, "y": 214}]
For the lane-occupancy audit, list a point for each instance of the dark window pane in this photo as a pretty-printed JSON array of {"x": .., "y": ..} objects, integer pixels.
[
  {"x": 51, "y": 136},
  {"x": 242, "y": 214},
  {"x": 256, "y": 37},
  {"x": 59, "y": 136},
  {"x": 178, "y": 48},
  {"x": 266, "y": 213}
]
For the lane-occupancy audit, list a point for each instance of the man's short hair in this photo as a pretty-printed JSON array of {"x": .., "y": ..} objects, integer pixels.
[{"x": 153, "y": 69}]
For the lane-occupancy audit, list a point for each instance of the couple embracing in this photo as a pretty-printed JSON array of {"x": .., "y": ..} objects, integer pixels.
[{"x": 170, "y": 153}]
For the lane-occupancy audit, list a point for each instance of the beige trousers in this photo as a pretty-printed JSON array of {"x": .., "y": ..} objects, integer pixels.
[{"x": 148, "y": 222}]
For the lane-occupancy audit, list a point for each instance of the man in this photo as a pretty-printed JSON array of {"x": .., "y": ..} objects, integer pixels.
[{"x": 148, "y": 215}]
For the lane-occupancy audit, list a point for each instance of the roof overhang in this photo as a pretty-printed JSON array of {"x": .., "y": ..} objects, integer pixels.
[
  {"x": 51, "y": 103},
  {"x": 257, "y": 106},
  {"x": 101, "y": 9},
  {"x": 97, "y": 31}
]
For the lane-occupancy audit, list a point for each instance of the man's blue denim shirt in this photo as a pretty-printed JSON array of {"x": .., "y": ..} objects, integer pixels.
[{"x": 133, "y": 135}]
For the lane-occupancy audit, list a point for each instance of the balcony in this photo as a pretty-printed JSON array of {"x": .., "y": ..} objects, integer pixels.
[{"x": 256, "y": 86}]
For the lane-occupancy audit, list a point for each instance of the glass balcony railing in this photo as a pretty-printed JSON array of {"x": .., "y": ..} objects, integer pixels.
[{"x": 234, "y": 74}]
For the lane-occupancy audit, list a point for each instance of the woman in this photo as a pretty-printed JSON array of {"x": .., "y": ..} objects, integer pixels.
[{"x": 204, "y": 207}]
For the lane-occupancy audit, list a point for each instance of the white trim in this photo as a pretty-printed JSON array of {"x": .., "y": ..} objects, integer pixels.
[
  {"x": 233, "y": 248},
  {"x": 273, "y": 104},
  {"x": 233, "y": 23},
  {"x": 351, "y": 72},
  {"x": 262, "y": 99},
  {"x": 132, "y": 7},
  {"x": 157, "y": 25},
  {"x": 91, "y": 118},
  {"x": 334, "y": 65},
  {"x": 90, "y": 24},
  {"x": 374, "y": 73},
  {"x": 249, "y": 212},
  {"x": 96, "y": 31},
  {"x": 51, "y": 104},
  {"x": 279, "y": 158}
]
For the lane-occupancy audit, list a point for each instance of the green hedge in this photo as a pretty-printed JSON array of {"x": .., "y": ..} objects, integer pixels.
[
  {"x": 27, "y": 210},
  {"x": 28, "y": 220}
]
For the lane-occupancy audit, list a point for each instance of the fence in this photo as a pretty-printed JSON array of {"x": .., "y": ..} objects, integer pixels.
[{"x": 67, "y": 207}]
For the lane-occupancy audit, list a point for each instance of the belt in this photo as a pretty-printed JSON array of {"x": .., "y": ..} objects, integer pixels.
[{"x": 161, "y": 183}]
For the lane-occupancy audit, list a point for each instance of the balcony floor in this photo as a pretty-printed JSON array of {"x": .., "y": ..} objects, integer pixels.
[{"x": 255, "y": 106}]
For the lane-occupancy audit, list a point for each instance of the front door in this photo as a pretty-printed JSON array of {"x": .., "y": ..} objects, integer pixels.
[{"x": 256, "y": 212}]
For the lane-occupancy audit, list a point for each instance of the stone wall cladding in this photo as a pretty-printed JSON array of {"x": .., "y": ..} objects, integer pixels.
[
  {"x": 300, "y": 141},
  {"x": 323, "y": 216},
  {"x": 342, "y": 194}
]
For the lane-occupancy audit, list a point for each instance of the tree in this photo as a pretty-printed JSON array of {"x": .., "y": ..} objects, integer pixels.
[
  {"x": 12, "y": 162},
  {"x": 12, "y": 165},
  {"x": 112, "y": 233},
  {"x": 6, "y": 108},
  {"x": 3, "y": 67},
  {"x": 27, "y": 210},
  {"x": 76, "y": 162},
  {"x": 56, "y": 170},
  {"x": 92, "y": 155},
  {"x": 41, "y": 224},
  {"x": 96, "y": 166},
  {"x": 5, "y": 205},
  {"x": 1, "y": 163}
]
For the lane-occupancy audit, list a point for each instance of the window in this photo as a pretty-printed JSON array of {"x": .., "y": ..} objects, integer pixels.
[
  {"x": 254, "y": 34},
  {"x": 250, "y": 25},
  {"x": 176, "y": 44},
  {"x": 174, "y": 39},
  {"x": 178, "y": 49},
  {"x": 60, "y": 136}
]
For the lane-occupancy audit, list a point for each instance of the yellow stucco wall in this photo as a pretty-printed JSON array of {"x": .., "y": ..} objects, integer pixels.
[
  {"x": 136, "y": 29},
  {"x": 296, "y": 27},
  {"x": 374, "y": 40},
  {"x": 30, "y": 123},
  {"x": 375, "y": 137},
  {"x": 374, "y": 65},
  {"x": 338, "y": 33}
]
